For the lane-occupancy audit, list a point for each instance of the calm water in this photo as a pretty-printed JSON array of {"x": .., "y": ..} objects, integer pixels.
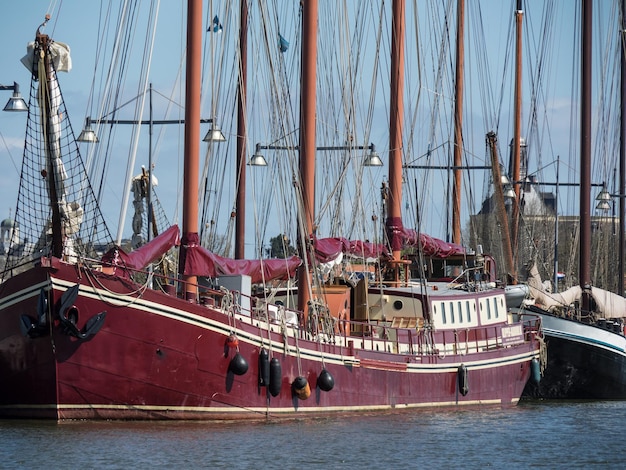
[{"x": 533, "y": 434}]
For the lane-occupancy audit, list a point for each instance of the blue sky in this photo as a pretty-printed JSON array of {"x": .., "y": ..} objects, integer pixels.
[{"x": 77, "y": 22}]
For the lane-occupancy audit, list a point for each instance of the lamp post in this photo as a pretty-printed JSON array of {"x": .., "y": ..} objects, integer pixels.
[
  {"x": 16, "y": 102},
  {"x": 604, "y": 198},
  {"x": 372, "y": 158},
  {"x": 88, "y": 135}
]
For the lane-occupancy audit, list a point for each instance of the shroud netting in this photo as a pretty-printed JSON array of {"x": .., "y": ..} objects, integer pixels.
[{"x": 50, "y": 148}]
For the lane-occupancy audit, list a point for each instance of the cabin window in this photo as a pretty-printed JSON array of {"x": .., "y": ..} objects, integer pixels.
[
  {"x": 495, "y": 307},
  {"x": 451, "y": 312},
  {"x": 488, "y": 310},
  {"x": 468, "y": 311},
  {"x": 397, "y": 305},
  {"x": 443, "y": 313}
]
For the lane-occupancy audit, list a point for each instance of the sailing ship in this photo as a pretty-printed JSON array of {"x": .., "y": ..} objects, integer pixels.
[
  {"x": 89, "y": 331},
  {"x": 583, "y": 325}
]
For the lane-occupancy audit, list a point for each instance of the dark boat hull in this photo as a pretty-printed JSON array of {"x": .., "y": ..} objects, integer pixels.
[
  {"x": 584, "y": 362},
  {"x": 160, "y": 357}
]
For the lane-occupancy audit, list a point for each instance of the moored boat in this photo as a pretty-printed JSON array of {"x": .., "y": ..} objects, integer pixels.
[
  {"x": 583, "y": 325},
  {"x": 91, "y": 336}
]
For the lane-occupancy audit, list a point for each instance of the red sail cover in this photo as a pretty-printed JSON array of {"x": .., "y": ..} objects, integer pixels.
[
  {"x": 146, "y": 254},
  {"x": 201, "y": 262},
  {"x": 431, "y": 246},
  {"x": 328, "y": 249}
]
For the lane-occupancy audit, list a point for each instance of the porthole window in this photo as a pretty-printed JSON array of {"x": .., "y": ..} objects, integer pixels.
[{"x": 398, "y": 305}]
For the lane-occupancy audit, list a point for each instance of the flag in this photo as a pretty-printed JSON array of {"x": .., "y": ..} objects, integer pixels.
[
  {"x": 283, "y": 44},
  {"x": 216, "y": 26}
]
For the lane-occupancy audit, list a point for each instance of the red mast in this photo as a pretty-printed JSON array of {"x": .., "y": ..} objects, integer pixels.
[
  {"x": 517, "y": 136},
  {"x": 307, "y": 140},
  {"x": 394, "y": 213},
  {"x": 584, "y": 267},
  {"x": 458, "y": 124},
  {"x": 240, "y": 221},
  {"x": 192, "y": 137},
  {"x": 622, "y": 151}
]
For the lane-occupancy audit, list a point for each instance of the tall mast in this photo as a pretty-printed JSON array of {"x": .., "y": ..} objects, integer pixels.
[
  {"x": 394, "y": 214},
  {"x": 517, "y": 136},
  {"x": 619, "y": 288},
  {"x": 307, "y": 139},
  {"x": 584, "y": 269},
  {"x": 458, "y": 123},
  {"x": 192, "y": 136},
  {"x": 240, "y": 221},
  {"x": 45, "y": 97}
]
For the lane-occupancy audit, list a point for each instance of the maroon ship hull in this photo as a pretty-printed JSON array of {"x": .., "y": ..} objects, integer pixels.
[{"x": 159, "y": 357}]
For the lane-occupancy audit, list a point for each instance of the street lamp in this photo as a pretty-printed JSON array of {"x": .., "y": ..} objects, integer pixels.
[
  {"x": 603, "y": 199},
  {"x": 16, "y": 102},
  {"x": 214, "y": 134},
  {"x": 88, "y": 135},
  {"x": 372, "y": 158}
]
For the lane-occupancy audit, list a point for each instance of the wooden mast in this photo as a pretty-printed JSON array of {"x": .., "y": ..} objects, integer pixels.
[
  {"x": 500, "y": 207},
  {"x": 394, "y": 214},
  {"x": 517, "y": 137},
  {"x": 240, "y": 221},
  {"x": 619, "y": 288},
  {"x": 58, "y": 237},
  {"x": 192, "y": 137},
  {"x": 307, "y": 142},
  {"x": 458, "y": 123},
  {"x": 584, "y": 269}
]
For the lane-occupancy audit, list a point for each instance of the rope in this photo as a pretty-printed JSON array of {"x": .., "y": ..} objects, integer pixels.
[{"x": 93, "y": 281}]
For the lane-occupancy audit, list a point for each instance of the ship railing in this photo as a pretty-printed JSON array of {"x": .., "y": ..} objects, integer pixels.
[
  {"x": 531, "y": 323},
  {"x": 422, "y": 341},
  {"x": 374, "y": 335}
]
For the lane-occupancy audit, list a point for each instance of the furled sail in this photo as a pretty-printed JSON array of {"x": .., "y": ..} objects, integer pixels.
[
  {"x": 146, "y": 254},
  {"x": 198, "y": 261},
  {"x": 549, "y": 300},
  {"x": 609, "y": 304}
]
